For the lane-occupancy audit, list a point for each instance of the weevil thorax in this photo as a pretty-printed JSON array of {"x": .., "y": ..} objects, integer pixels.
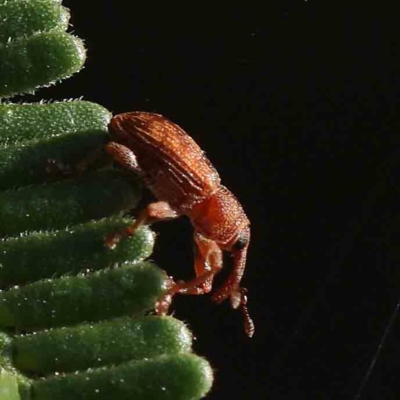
[{"x": 220, "y": 218}]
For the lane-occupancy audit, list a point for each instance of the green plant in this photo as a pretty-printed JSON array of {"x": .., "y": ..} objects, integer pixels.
[{"x": 72, "y": 312}]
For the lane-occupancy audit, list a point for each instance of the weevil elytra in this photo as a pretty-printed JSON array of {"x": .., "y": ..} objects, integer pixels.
[{"x": 184, "y": 182}]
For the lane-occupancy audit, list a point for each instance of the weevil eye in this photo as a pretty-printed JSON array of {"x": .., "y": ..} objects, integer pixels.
[{"x": 241, "y": 242}]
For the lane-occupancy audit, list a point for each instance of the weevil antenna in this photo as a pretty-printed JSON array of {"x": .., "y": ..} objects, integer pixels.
[
  {"x": 378, "y": 350},
  {"x": 248, "y": 322}
]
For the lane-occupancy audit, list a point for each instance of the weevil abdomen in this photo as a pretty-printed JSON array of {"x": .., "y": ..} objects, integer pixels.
[{"x": 174, "y": 167}]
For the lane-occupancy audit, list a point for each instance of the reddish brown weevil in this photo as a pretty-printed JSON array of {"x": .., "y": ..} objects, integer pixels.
[{"x": 184, "y": 182}]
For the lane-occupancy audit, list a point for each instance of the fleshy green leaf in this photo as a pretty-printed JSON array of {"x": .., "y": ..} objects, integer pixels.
[
  {"x": 93, "y": 196},
  {"x": 176, "y": 377},
  {"x": 22, "y": 122},
  {"x": 95, "y": 345},
  {"x": 78, "y": 248},
  {"x": 39, "y": 60},
  {"x": 94, "y": 297},
  {"x": 26, "y": 17}
]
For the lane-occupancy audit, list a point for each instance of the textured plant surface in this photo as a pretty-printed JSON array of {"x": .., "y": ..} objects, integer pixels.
[{"x": 73, "y": 321}]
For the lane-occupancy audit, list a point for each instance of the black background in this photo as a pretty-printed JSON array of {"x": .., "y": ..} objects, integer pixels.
[{"x": 295, "y": 106}]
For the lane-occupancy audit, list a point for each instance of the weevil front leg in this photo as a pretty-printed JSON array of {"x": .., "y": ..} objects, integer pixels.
[{"x": 208, "y": 261}]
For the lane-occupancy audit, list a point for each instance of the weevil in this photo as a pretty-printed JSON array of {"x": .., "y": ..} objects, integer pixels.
[{"x": 184, "y": 182}]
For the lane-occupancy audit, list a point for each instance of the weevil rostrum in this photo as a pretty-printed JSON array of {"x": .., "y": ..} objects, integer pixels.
[{"x": 184, "y": 182}]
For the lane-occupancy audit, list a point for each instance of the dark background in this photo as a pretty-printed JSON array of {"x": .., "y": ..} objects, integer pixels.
[{"x": 295, "y": 106}]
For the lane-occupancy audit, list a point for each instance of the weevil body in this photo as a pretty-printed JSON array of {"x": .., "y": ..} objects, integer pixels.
[{"x": 184, "y": 182}]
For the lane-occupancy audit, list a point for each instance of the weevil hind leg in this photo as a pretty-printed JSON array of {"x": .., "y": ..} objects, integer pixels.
[
  {"x": 57, "y": 169},
  {"x": 154, "y": 212},
  {"x": 123, "y": 156},
  {"x": 119, "y": 153}
]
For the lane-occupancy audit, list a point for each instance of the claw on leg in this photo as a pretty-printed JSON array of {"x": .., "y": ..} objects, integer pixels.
[
  {"x": 57, "y": 170},
  {"x": 162, "y": 306},
  {"x": 196, "y": 286},
  {"x": 113, "y": 238}
]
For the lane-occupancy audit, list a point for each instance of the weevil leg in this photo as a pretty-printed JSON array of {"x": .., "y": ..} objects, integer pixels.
[
  {"x": 120, "y": 153},
  {"x": 58, "y": 170},
  {"x": 89, "y": 160},
  {"x": 64, "y": 170},
  {"x": 208, "y": 261},
  {"x": 154, "y": 212},
  {"x": 124, "y": 156}
]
